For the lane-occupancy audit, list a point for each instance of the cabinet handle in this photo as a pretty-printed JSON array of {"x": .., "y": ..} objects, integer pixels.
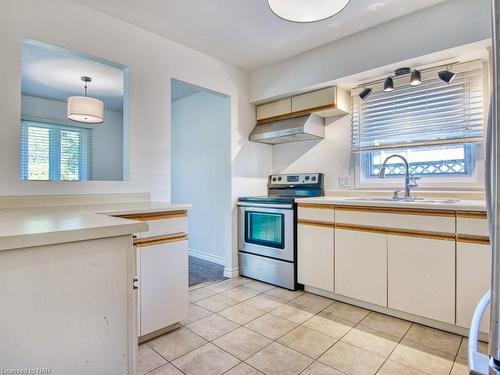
[{"x": 135, "y": 283}]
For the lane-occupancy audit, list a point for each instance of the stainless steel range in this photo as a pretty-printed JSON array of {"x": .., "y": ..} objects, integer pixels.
[{"x": 268, "y": 228}]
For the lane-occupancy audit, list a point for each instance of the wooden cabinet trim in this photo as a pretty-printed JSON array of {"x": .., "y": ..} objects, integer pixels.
[
  {"x": 155, "y": 215},
  {"x": 398, "y": 232},
  {"x": 316, "y": 223},
  {"x": 150, "y": 241},
  {"x": 472, "y": 214},
  {"x": 467, "y": 238},
  {"x": 400, "y": 211},
  {"x": 317, "y": 205}
]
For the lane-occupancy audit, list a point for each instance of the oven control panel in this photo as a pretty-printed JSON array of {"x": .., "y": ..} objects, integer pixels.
[{"x": 294, "y": 179}]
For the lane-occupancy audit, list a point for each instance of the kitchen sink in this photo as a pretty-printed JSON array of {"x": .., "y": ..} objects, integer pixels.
[{"x": 420, "y": 200}]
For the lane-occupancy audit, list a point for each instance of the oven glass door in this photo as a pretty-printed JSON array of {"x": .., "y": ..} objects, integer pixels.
[
  {"x": 264, "y": 228},
  {"x": 267, "y": 231}
]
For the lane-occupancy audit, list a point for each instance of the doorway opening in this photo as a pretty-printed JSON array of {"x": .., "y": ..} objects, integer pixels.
[{"x": 201, "y": 175}]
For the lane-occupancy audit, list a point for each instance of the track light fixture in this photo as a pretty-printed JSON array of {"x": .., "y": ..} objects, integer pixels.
[
  {"x": 365, "y": 93},
  {"x": 388, "y": 84},
  {"x": 446, "y": 75},
  {"x": 416, "y": 78}
]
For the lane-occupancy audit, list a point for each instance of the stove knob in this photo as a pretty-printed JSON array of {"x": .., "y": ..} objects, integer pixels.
[
  {"x": 274, "y": 179},
  {"x": 279, "y": 178},
  {"x": 307, "y": 178},
  {"x": 314, "y": 178}
]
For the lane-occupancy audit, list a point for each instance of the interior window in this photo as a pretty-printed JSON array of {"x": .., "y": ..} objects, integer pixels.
[{"x": 54, "y": 152}]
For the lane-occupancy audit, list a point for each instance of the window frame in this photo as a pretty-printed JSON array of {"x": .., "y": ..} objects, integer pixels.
[
  {"x": 474, "y": 181},
  {"x": 55, "y": 130}
]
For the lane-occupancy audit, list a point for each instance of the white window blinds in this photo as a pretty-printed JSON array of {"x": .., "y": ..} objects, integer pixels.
[
  {"x": 55, "y": 152},
  {"x": 432, "y": 113}
]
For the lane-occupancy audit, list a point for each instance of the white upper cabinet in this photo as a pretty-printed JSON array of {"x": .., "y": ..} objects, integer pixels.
[
  {"x": 274, "y": 109},
  {"x": 327, "y": 102}
]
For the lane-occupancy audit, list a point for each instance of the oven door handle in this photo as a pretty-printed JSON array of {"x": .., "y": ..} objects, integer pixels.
[{"x": 265, "y": 205}]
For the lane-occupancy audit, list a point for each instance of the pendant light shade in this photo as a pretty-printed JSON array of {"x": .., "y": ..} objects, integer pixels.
[
  {"x": 306, "y": 10},
  {"x": 85, "y": 109}
]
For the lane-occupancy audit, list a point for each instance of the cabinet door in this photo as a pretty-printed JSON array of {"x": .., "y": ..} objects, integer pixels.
[
  {"x": 315, "y": 256},
  {"x": 473, "y": 281},
  {"x": 422, "y": 276},
  {"x": 314, "y": 99},
  {"x": 274, "y": 109},
  {"x": 361, "y": 265},
  {"x": 163, "y": 279}
]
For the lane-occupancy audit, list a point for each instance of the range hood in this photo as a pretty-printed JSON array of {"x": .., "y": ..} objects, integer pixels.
[{"x": 303, "y": 128}]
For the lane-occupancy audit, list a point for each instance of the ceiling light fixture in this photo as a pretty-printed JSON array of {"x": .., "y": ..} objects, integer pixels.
[
  {"x": 446, "y": 75},
  {"x": 388, "y": 84},
  {"x": 365, "y": 93},
  {"x": 85, "y": 109},
  {"x": 416, "y": 78},
  {"x": 306, "y": 10}
]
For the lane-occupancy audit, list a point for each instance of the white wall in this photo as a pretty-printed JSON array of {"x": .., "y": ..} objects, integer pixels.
[
  {"x": 201, "y": 170},
  {"x": 447, "y": 25},
  {"x": 152, "y": 62},
  {"x": 331, "y": 156},
  {"x": 107, "y": 148}
]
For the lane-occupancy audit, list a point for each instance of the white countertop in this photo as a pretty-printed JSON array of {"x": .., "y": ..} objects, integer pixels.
[
  {"x": 35, "y": 226},
  {"x": 439, "y": 204}
]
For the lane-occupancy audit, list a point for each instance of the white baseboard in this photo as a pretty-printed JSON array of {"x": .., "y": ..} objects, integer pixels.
[
  {"x": 206, "y": 256},
  {"x": 231, "y": 272}
]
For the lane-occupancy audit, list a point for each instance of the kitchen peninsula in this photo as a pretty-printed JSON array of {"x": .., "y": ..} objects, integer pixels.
[{"x": 70, "y": 278}]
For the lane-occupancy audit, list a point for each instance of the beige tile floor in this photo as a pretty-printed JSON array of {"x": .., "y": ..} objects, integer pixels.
[{"x": 244, "y": 327}]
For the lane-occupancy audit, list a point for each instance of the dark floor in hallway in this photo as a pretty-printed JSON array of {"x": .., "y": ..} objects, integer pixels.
[{"x": 202, "y": 271}]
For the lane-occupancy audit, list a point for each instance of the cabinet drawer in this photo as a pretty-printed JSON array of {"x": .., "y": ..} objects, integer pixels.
[
  {"x": 314, "y": 99},
  {"x": 165, "y": 227},
  {"x": 274, "y": 109},
  {"x": 437, "y": 221},
  {"x": 472, "y": 224},
  {"x": 322, "y": 214}
]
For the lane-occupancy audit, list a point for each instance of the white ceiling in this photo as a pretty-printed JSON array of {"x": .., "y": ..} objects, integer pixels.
[
  {"x": 245, "y": 33},
  {"x": 53, "y": 72}
]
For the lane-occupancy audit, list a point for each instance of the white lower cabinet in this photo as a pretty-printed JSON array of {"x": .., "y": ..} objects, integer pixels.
[
  {"x": 361, "y": 265},
  {"x": 316, "y": 256},
  {"x": 473, "y": 280},
  {"x": 163, "y": 285},
  {"x": 421, "y": 277}
]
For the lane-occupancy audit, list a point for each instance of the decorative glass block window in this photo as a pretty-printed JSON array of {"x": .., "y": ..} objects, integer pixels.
[
  {"x": 435, "y": 125},
  {"x": 55, "y": 152}
]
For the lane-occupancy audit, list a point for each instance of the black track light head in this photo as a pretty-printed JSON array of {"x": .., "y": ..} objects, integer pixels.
[
  {"x": 365, "y": 93},
  {"x": 446, "y": 76},
  {"x": 416, "y": 78},
  {"x": 388, "y": 84}
]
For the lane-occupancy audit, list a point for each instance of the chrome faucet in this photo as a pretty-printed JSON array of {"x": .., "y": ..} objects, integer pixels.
[{"x": 409, "y": 180}]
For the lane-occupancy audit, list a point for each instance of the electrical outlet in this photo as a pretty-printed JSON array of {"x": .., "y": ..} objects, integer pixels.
[{"x": 344, "y": 182}]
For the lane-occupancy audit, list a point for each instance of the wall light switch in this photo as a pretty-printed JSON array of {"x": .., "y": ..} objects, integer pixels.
[{"x": 344, "y": 182}]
